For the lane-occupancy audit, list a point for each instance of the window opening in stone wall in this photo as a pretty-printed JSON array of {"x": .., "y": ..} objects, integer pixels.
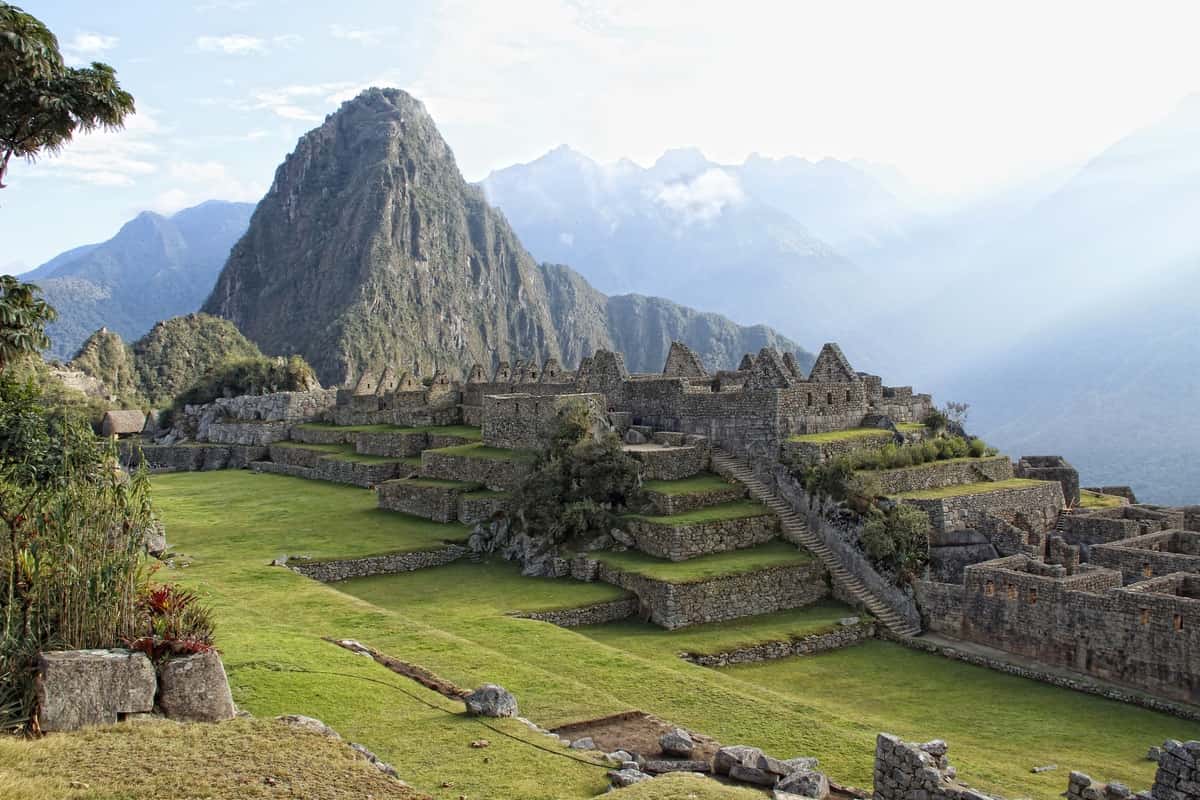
[
  {"x": 1145, "y": 616},
  {"x": 1147, "y": 570},
  {"x": 989, "y": 588},
  {"x": 1178, "y": 622},
  {"x": 1012, "y": 592},
  {"x": 847, "y": 395},
  {"x": 810, "y": 398},
  {"x": 829, "y": 398},
  {"x": 1033, "y": 597}
]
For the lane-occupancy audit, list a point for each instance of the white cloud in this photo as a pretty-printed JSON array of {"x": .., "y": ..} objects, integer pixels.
[
  {"x": 91, "y": 43},
  {"x": 369, "y": 38},
  {"x": 702, "y": 198},
  {"x": 203, "y": 180},
  {"x": 236, "y": 44},
  {"x": 110, "y": 158}
]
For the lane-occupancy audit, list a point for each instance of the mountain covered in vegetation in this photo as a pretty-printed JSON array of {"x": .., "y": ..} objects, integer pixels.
[
  {"x": 172, "y": 357},
  {"x": 371, "y": 249},
  {"x": 156, "y": 267}
]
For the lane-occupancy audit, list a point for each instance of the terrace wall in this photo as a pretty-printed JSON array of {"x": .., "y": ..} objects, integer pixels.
[
  {"x": 524, "y": 421},
  {"x": 1150, "y": 555},
  {"x": 494, "y": 473},
  {"x": 386, "y": 564},
  {"x": 938, "y": 474},
  {"x": 678, "y": 605},
  {"x": 1037, "y": 506},
  {"x": 680, "y": 542}
]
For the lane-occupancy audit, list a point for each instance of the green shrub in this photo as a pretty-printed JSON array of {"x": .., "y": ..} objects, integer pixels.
[
  {"x": 977, "y": 448},
  {"x": 936, "y": 421},
  {"x": 929, "y": 450},
  {"x": 898, "y": 540},
  {"x": 579, "y": 484}
]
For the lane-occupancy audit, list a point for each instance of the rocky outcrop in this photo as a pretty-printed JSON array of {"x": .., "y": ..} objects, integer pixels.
[
  {"x": 491, "y": 700},
  {"x": 194, "y": 688}
]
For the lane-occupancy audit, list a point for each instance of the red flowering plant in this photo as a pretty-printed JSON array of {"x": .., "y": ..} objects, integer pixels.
[{"x": 172, "y": 622}]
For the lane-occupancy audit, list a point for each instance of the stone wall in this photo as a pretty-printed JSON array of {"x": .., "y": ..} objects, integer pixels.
[
  {"x": 680, "y": 542},
  {"x": 939, "y": 474},
  {"x": 941, "y": 606},
  {"x": 386, "y": 564},
  {"x": 494, "y": 473},
  {"x": 393, "y": 444},
  {"x": 1150, "y": 555},
  {"x": 1087, "y": 528},
  {"x": 839, "y": 533},
  {"x": 194, "y": 421},
  {"x": 678, "y": 605},
  {"x": 525, "y": 422},
  {"x": 423, "y": 498},
  {"x": 1145, "y": 635},
  {"x": 668, "y": 504},
  {"x": 1052, "y": 468},
  {"x": 189, "y": 457},
  {"x": 813, "y": 453},
  {"x": 1178, "y": 775},
  {"x": 595, "y": 614},
  {"x": 480, "y": 506},
  {"x": 663, "y": 463},
  {"x": 917, "y": 772},
  {"x": 306, "y": 435},
  {"x": 846, "y": 636},
  {"x": 248, "y": 433},
  {"x": 1036, "y": 505}
]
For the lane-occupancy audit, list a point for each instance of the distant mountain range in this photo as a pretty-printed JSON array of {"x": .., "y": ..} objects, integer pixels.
[{"x": 154, "y": 268}]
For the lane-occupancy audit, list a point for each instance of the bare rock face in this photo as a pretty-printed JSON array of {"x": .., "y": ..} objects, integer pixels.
[
  {"x": 491, "y": 700},
  {"x": 195, "y": 688},
  {"x": 77, "y": 688}
]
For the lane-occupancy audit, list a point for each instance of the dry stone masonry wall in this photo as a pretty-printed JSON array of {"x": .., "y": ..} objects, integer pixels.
[
  {"x": 385, "y": 564},
  {"x": 679, "y": 542}
]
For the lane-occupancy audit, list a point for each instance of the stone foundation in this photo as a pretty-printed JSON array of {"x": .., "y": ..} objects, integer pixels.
[
  {"x": 386, "y": 564},
  {"x": 494, "y": 473},
  {"x": 803, "y": 646},
  {"x": 477, "y": 508},
  {"x": 668, "y": 504},
  {"x": 665, "y": 463},
  {"x": 190, "y": 457},
  {"x": 813, "y": 453},
  {"x": 1036, "y": 505},
  {"x": 938, "y": 474},
  {"x": 248, "y": 433},
  {"x": 595, "y": 614},
  {"x": 679, "y": 542},
  {"x": 678, "y": 605},
  {"x": 423, "y": 498}
]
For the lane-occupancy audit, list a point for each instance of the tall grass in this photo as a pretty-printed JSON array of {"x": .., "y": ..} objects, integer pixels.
[{"x": 70, "y": 573}]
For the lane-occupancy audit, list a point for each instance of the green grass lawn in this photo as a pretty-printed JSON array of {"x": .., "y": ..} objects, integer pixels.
[
  {"x": 1096, "y": 500},
  {"x": 910, "y": 427},
  {"x": 486, "y": 494},
  {"x": 702, "y": 568},
  {"x": 930, "y": 464},
  {"x": 484, "y": 451},
  {"x": 227, "y": 526},
  {"x": 704, "y": 482},
  {"x": 969, "y": 488},
  {"x": 842, "y": 436},
  {"x": 737, "y": 509}
]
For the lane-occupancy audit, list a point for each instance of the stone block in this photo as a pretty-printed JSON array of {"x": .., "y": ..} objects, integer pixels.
[
  {"x": 77, "y": 688},
  {"x": 195, "y": 689},
  {"x": 491, "y": 700}
]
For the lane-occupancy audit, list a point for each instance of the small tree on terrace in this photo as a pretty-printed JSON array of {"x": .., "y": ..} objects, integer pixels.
[{"x": 43, "y": 102}]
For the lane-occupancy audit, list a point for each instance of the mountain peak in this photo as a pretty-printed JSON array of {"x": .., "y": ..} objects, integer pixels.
[{"x": 680, "y": 162}]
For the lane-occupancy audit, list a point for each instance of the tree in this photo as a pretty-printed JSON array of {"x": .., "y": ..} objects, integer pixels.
[
  {"x": 23, "y": 319},
  {"x": 44, "y": 102}
]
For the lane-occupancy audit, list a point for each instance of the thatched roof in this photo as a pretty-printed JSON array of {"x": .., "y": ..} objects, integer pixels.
[{"x": 122, "y": 423}]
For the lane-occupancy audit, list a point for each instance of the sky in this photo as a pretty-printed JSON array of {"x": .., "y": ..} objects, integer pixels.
[{"x": 960, "y": 96}]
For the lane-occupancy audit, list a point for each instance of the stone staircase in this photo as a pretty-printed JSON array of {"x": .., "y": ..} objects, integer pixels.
[{"x": 796, "y": 529}]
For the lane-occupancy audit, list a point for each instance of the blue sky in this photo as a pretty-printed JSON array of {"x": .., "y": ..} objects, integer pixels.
[{"x": 959, "y": 95}]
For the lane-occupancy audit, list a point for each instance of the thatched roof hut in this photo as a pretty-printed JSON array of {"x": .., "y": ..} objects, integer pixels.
[{"x": 123, "y": 423}]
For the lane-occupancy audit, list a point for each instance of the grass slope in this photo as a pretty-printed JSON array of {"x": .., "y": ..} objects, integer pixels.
[
  {"x": 702, "y": 568},
  {"x": 704, "y": 482},
  {"x": 451, "y": 620},
  {"x": 484, "y": 451},
  {"x": 849, "y": 434},
  {"x": 1097, "y": 500},
  {"x": 340, "y": 452},
  {"x": 233, "y": 760}
]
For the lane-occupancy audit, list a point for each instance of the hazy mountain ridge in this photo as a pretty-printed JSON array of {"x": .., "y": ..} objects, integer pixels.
[{"x": 155, "y": 267}]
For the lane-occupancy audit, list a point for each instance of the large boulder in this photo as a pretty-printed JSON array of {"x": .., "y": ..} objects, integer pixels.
[
  {"x": 195, "y": 688},
  {"x": 491, "y": 700},
  {"x": 76, "y": 688},
  {"x": 677, "y": 744},
  {"x": 733, "y": 755},
  {"x": 805, "y": 783}
]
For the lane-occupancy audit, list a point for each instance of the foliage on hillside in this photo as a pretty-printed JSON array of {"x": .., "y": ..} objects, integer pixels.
[
  {"x": 106, "y": 357},
  {"x": 178, "y": 352},
  {"x": 258, "y": 375}
]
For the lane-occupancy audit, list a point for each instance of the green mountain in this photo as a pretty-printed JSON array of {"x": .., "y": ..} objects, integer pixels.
[
  {"x": 156, "y": 267},
  {"x": 172, "y": 357},
  {"x": 371, "y": 249}
]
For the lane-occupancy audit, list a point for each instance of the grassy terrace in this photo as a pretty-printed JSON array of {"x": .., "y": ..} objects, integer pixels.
[
  {"x": 842, "y": 436},
  {"x": 451, "y": 620},
  {"x": 340, "y": 452},
  {"x": 716, "y": 565},
  {"x": 697, "y": 484},
  {"x": 484, "y": 451},
  {"x": 465, "y": 431},
  {"x": 964, "y": 489},
  {"x": 1096, "y": 500},
  {"x": 485, "y": 494},
  {"x": 738, "y": 509}
]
